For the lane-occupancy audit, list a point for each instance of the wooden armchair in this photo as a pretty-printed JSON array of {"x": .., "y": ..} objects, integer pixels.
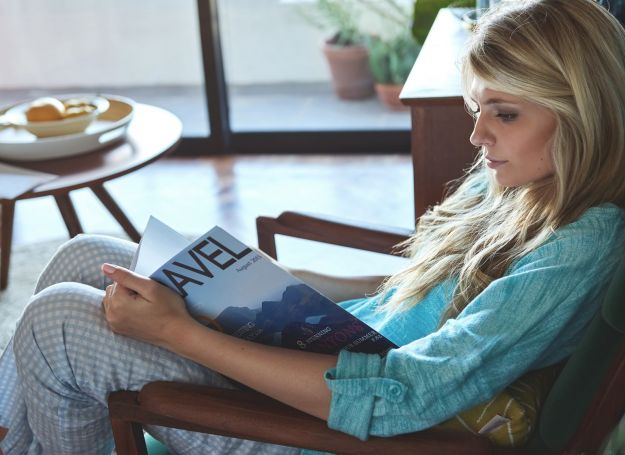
[{"x": 585, "y": 403}]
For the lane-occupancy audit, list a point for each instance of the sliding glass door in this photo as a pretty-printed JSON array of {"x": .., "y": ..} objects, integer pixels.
[{"x": 278, "y": 77}]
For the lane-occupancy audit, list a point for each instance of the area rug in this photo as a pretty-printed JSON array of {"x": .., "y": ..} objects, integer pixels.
[{"x": 26, "y": 263}]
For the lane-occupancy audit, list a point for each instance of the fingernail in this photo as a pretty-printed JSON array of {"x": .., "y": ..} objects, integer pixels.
[{"x": 108, "y": 268}]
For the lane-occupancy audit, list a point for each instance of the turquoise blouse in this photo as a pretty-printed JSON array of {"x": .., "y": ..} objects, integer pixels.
[{"x": 530, "y": 318}]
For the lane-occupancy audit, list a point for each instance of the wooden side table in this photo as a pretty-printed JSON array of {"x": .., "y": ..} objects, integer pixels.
[
  {"x": 440, "y": 124},
  {"x": 152, "y": 133}
]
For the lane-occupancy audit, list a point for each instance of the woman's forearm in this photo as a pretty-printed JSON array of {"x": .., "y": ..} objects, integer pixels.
[{"x": 293, "y": 377}]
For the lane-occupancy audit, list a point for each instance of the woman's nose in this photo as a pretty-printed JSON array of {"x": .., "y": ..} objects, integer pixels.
[{"x": 481, "y": 135}]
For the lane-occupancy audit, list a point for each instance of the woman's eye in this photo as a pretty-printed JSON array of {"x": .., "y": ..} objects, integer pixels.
[{"x": 507, "y": 116}]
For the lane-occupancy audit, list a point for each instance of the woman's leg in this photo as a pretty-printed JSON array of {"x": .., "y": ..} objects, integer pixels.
[
  {"x": 68, "y": 361},
  {"x": 79, "y": 261}
]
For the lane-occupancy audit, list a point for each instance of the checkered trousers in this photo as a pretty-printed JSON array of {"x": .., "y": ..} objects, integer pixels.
[{"x": 63, "y": 361}]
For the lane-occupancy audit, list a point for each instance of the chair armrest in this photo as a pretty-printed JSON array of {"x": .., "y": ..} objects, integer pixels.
[
  {"x": 249, "y": 415},
  {"x": 368, "y": 237}
]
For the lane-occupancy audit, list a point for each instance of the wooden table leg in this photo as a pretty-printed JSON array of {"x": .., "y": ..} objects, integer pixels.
[
  {"x": 116, "y": 211},
  {"x": 6, "y": 226},
  {"x": 68, "y": 212}
]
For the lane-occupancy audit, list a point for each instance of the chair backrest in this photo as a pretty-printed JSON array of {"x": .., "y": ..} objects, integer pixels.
[{"x": 588, "y": 398}]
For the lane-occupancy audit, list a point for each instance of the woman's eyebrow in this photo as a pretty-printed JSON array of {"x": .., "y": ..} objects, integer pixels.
[
  {"x": 499, "y": 101},
  {"x": 490, "y": 101}
]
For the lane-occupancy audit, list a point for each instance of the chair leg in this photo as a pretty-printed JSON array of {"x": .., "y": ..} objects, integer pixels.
[
  {"x": 6, "y": 228},
  {"x": 128, "y": 435}
]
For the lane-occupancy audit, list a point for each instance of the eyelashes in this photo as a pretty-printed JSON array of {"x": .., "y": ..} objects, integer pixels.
[
  {"x": 504, "y": 116},
  {"x": 507, "y": 116}
]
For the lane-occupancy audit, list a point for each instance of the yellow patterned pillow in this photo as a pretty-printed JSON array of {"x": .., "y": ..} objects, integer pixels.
[{"x": 509, "y": 418}]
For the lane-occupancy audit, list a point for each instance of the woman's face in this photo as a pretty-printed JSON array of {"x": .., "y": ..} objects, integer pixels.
[{"x": 515, "y": 135}]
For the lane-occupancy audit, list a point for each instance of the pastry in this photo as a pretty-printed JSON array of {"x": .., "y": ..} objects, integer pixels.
[{"x": 45, "y": 110}]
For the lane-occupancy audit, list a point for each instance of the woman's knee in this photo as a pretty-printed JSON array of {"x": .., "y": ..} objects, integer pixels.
[
  {"x": 77, "y": 246},
  {"x": 80, "y": 258}
]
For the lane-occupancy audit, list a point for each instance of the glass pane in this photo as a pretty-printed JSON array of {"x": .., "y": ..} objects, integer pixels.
[
  {"x": 148, "y": 50},
  {"x": 278, "y": 77}
]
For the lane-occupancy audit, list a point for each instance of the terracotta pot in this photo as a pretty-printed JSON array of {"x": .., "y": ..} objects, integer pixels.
[
  {"x": 388, "y": 94},
  {"x": 349, "y": 66}
]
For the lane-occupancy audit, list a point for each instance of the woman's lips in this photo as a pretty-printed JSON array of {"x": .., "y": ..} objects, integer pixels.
[{"x": 491, "y": 163}]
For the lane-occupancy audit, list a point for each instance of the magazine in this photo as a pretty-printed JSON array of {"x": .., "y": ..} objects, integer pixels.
[{"x": 239, "y": 290}]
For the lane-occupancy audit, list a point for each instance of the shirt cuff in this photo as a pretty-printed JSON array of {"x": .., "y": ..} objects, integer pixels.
[{"x": 357, "y": 378}]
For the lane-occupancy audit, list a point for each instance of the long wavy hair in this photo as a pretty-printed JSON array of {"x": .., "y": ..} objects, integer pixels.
[{"x": 569, "y": 57}]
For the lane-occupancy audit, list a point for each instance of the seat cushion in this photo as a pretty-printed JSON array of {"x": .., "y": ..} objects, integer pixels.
[{"x": 509, "y": 418}]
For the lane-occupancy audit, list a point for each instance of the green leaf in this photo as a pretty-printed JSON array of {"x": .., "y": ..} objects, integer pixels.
[
  {"x": 391, "y": 60},
  {"x": 425, "y": 12}
]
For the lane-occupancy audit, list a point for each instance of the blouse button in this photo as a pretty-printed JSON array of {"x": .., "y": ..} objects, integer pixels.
[{"x": 395, "y": 390}]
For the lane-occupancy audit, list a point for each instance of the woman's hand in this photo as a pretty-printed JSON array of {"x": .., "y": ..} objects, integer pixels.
[{"x": 141, "y": 308}]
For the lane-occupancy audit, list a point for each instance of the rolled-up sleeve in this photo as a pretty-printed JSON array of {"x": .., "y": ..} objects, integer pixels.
[
  {"x": 534, "y": 314},
  {"x": 358, "y": 382}
]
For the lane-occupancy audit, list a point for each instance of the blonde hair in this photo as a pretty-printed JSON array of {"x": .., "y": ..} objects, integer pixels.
[{"x": 569, "y": 57}]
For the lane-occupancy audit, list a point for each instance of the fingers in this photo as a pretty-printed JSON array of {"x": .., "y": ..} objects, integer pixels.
[
  {"x": 107, "y": 296},
  {"x": 106, "y": 300},
  {"x": 130, "y": 280}
]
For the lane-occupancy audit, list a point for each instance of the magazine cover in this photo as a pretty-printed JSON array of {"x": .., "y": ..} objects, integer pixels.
[{"x": 239, "y": 290}]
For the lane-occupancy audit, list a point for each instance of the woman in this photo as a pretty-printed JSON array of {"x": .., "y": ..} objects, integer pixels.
[{"x": 505, "y": 274}]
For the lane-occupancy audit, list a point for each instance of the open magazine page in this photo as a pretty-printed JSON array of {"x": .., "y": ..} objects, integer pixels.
[
  {"x": 158, "y": 244},
  {"x": 238, "y": 290}
]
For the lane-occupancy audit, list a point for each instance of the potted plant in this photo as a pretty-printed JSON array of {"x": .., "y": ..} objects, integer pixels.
[
  {"x": 425, "y": 12},
  {"x": 392, "y": 51},
  {"x": 392, "y": 55},
  {"x": 391, "y": 61},
  {"x": 345, "y": 51}
]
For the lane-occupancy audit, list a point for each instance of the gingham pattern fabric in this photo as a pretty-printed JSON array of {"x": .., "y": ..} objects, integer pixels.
[{"x": 63, "y": 361}]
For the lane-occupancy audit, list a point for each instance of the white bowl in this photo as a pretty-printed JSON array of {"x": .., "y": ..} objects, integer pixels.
[{"x": 71, "y": 125}]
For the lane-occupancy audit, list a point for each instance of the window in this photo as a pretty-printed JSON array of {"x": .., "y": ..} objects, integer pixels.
[{"x": 244, "y": 76}]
